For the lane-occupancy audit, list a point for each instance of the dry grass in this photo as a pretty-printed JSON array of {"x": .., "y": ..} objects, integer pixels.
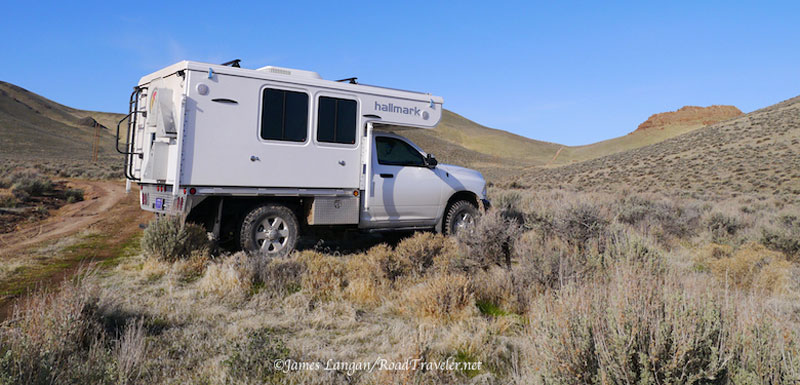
[{"x": 616, "y": 290}]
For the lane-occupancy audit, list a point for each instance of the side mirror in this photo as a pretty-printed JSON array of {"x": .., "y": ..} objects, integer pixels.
[{"x": 430, "y": 161}]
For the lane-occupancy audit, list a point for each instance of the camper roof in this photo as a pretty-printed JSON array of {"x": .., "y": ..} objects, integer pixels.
[
  {"x": 281, "y": 74},
  {"x": 394, "y": 106}
]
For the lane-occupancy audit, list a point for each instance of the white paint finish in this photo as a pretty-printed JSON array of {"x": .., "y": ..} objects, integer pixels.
[
  {"x": 222, "y": 137},
  {"x": 415, "y": 196}
]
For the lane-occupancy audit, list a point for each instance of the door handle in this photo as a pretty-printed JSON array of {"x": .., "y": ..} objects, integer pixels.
[{"x": 387, "y": 175}]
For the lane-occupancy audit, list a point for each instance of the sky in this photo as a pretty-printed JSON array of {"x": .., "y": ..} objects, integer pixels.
[{"x": 566, "y": 72}]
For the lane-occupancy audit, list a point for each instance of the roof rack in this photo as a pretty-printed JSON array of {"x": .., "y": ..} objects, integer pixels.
[{"x": 233, "y": 63}]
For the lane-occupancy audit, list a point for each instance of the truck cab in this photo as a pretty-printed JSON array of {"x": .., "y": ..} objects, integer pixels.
[
  {"x": 256, "y": 156},
  {"x": 410, "y": 189}
]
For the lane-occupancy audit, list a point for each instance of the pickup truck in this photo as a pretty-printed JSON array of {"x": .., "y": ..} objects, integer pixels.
[{"x": 258, "y": 155}]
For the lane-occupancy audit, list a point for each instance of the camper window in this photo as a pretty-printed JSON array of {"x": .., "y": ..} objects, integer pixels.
[
  {"x": 336, "y": 120},
  {"x": 395, "y": 152},
  {"x": 284, "y": 115}
]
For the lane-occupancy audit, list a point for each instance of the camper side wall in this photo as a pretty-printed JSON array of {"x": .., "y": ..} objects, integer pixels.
[{"x": 247, "y": 132}]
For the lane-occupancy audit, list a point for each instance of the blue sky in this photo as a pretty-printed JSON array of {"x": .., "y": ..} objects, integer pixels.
[{"x": 571, "y": 73}]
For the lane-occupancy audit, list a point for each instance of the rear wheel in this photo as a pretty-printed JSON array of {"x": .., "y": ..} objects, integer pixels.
[
  {"x": 269, "y": 230},
  {"x": 460, "y": 215}
]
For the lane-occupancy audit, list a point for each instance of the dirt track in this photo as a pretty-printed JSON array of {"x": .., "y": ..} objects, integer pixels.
[{"x": 99, "y": 198}]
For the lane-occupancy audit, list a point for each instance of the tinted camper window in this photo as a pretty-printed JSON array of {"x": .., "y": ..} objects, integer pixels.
[
  {"x": 336, "y": 120},
  {"x": 284, "y": 115}
]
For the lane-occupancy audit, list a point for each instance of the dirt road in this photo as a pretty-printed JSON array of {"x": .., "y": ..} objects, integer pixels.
[{"x": 99, "y": 198}]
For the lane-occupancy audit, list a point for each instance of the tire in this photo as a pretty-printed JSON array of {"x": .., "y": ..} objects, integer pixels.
[
  {"x": 270, "y": 230},
  {"x": 459, "y": 216}
]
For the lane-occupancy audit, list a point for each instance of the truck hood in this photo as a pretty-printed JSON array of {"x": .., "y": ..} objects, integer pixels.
[
  {"x": 459, "y": 171},
  {"x": 462, "y": 178}
]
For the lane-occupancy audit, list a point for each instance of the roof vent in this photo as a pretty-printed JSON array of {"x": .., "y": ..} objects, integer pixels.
[{"x": 290, "y": 72}]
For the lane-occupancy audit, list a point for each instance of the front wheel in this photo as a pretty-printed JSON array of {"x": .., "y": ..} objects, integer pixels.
[
  {"x": 459, "y": 216},
  {"x": 269, "y": 230}
]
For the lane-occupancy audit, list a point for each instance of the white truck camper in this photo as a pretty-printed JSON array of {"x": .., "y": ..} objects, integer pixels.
[{"x": 256, "y": 156}]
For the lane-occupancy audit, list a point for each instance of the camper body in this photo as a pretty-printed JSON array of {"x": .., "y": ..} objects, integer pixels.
[{"x": 259, "y": 154}]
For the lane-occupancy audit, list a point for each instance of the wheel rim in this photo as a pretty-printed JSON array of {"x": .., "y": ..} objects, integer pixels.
[
  {"x": 271, "y": 234},
  {"x": 463, "y": 220}
]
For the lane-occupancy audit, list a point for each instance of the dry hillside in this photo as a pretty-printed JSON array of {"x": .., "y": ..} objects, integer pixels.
[
  {"x": 754, "y": 153},
  {"x": 34, "y": 128}
]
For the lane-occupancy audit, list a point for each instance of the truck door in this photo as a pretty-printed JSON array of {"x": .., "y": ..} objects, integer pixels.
[{"x": 404, "y": 191}]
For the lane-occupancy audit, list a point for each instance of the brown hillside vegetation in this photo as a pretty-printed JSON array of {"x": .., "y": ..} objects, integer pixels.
[
  {"x": 754, "y": 153},
  {"x": 34, "y": 127},
  {"x": 690, "y": 115}
]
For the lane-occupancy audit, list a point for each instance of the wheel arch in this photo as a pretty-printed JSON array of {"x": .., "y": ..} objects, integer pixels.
[{"x": 455, "y": 197}]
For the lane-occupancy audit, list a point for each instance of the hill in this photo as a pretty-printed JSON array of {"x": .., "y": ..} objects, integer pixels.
[
  {"x": 501, "y": 154},
  {"x": 36, "y": 128},
  {"x": 753, "y": 153}
]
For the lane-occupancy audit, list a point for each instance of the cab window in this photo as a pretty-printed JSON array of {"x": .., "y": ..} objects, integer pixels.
[{"x": 395, "y": 152}]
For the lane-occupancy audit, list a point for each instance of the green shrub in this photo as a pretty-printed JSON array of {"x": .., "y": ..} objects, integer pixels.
[
  {"x": 73, "y": 195},
  {"x": 168, "y": 239},
  {"x": 785, "y": 237},
  {"x": 26, "y": 183}
]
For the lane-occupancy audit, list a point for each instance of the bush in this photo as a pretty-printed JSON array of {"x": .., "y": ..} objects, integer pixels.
[
  {"x": 228, "y": 277},
  {"x": 73, "y": 195},
  {"x": 169, "y": 240},
  {"x": 26, "y": 183},
  {"x": 442, "y": 298},
  {"x": 324, "y": 275},
  {"x": 390, "y": 265},
  {"x": 277, "y": 277},
  {"x": 666, "y": 219},
  {"x": 8, "y": 201},
  {"x": 722, "y": 226},
  {"x": 500, "y": 291},
  {"x": 634, "y": 328},
  {"x": 417, "y": 252},
  {"x": 785, "y": 237},
  {"x": 579, "y": 224},
  {"x": 490, "y": 241},
  {"x": 751, "y": 266}
]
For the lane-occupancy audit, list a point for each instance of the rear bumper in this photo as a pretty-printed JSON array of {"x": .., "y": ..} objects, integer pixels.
[
  {"x": 485, "y": 204},
  {"x": 160, "y": 199}
]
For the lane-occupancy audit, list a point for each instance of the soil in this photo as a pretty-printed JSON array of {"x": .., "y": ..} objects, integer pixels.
[
  {"x": 690, "y": 115},
  {"x": 111, "y": 215},
  {"x": 11, "y": 219},
  {"x": 64, "y": 219}
]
